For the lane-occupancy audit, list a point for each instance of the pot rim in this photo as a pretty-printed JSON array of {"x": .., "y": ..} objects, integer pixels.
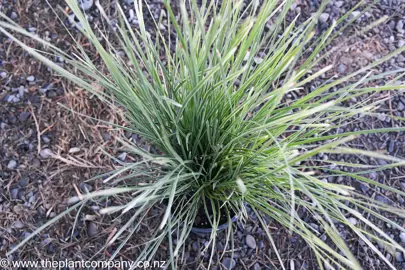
[{"x": 209, "y": 230}]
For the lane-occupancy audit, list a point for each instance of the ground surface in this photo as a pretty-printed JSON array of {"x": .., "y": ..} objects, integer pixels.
[{"x": 47, "y": 152}]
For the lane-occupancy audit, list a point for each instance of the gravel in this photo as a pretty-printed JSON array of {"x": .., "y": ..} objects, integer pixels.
[
  {"x": 12, "y": 164},
  {"x": 228, "y": 263},
  {"x": 85, "y": 4},
  {"x": 399, "y": 256},
  {"x": 342, "y": 68},
  {"x": 92, "y": 229},
  {"x": 46, "y": 153},
  {"x": 323, "y": 18},
  {"x": 250, "y": 241}
]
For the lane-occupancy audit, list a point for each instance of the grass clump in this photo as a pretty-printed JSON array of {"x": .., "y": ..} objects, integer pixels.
[{"x": 211, "y": 100}]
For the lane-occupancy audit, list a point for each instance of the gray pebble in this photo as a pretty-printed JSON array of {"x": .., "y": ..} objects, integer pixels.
[
  {"x": 14, "y": 193},
  {"x": 92, "y": 229},
  {"x": 400, "y": 26},
  {"x": 323, "y": 18},
  {"x": 352, "y": 221},
  {"x": 399, "y": 257},
  {"x": 401, "y": 106},
  {"x": 342, "y": 68},
  {"x": 46, "y": 153},
  {"x": 13, "y": 15},
  {"x": 339, "y": 3},
  {"x": 18, "y": 225},
  {"x": 36, "y": 162},
  {"x": 24, "y": 116},
  {"x": 250, "y": 241},
  {"x": 24, "y": 182},
  {"x": 402, "y": 237},
  {"x": 382, "y": 199},
  {"x": 85, "y": 4},
  {"x": 51, "y": 94},
  {"x": 3, "y": 74},
  {"x": 381, "y": 117},
  {"x": 22, "y": 91},
  {"x": 45, "y": 139},
  {"x": 382, "y": 162},
  {"x": 228, "y": 263},
  {"x": 401, "y": 43},
  {"x": 12, "y": 164},
  {"x": 355, "y": 13},
  {"x": 122, "y": 156},
  {"x": 31, "y": 78},
  {"x": 129, "y": 1}
]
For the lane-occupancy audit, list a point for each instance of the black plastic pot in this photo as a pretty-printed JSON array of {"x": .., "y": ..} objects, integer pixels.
[{"x": 205, "y": 231}]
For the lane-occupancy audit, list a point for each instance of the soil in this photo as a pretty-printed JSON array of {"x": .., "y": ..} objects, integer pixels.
[{"x": 37, "y": 188}]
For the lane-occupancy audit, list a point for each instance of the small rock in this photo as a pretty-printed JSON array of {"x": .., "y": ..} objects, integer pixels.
[
  {"x": 368, "y": 55},
  {"x": 3, "y": 75},
  {"x": 323, "y": 18},
  {"x": 24, "y": 116},
  {"x": 352, "y": 221},
  {"x": 373, "y": 175},
  {"x": 355, "y": 14},
  {"x": 382, "y": 199},
  {"x": 45, "y": 139},
  {"x": 46, "y": 153},
  {"x": 228, "y": 263},
  {"x": 402, "y": 237},
  {"x": 400, "y": 26},
  {"x": 381, "y": 117},
  {"x": 12, "y": 164},
  {"x": 92, "y": 229},
  {"x": 401, "y": 106},
  {"x": 129, "y": 2},
  {"x": 342, "y": 68},
  {"x": 85, "y": 4},
  {"x": 399, "y": 257},
  {"x": 13, "y": 15},
  {"x": 250, "y": 241},
  {"x": 51, "y": 94},
  {"x": 339, "y": 3},
  {"x": 258, "y": 60},
  {"x": 122, "y": 156},
  {"x": 382, "y": 162},
  {"x": 24, "y": 182},
  {"x": 18, "y": 225},
  {"x": 401, "y": 43},
  {"x": 36, "y": 162},
  {"x": 14, "y": 193},
  {"x": 31, "y": 78},
  {"x": 74, "y": 150}
]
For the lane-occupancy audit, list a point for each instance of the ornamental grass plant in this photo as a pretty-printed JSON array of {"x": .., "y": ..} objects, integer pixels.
[{"x": 210, "y": 97}]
